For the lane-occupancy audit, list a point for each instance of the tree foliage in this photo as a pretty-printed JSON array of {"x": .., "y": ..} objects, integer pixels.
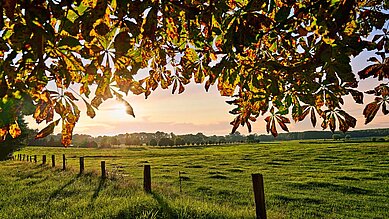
[
  {"x": 277, "y": 57},
  {"x": 11, "y": 144}
]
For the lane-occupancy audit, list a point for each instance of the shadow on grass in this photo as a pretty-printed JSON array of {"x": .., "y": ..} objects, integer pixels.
[
  {"x": 97, "y": 191},
  {"x": 161, "y": 210},
  {"x": 165, "y": 208},
  {"x": 30, "y": 174},
  {"x": 345, "y": 189},
  {"x": 59, "y": 190},
  {"x": 305, "y": 200}
]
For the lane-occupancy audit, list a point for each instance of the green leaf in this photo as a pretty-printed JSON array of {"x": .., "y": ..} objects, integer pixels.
[{"x": 69, "y": 41}]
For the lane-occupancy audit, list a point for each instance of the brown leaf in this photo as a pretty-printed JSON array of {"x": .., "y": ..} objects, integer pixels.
[
  {"x": 235, "y": 124},
  {"x": 181, "y": 88},
  {"x": 375, "y": 70},
  {"x": 96, "y": 101},
  {"x": 385, "y": 111},
  {"x": 343, "y": 126},
  {"x": 174, "y": 86},
  {"x": 129, "y": 109},
  {"x": 59, "y": 108},
  {"x": 47, "y": 130},
  {"x": 273, "y": 128},
  {"x": 313, "y": 117},
  {"x": 351, "y": 121},
  {"x": 268, "y": 120},
  {"x": 89, "y": 109},
  {"x": 370, "y": 111},
  {"x": 331, "y": 123},
  {"x": 282, "y": 123},
  {"x": 324, "y": 124},
  {"x": 304, "y": 114},
  {"x": 71, "y": 96},
  {"x": 248, "y": 126},
  {"x": 357, "y": 95}
]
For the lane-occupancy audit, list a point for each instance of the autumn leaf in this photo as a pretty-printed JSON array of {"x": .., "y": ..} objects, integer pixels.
[
  {"x": 47, "y": 130},
  {"x": 89, "y": 109},
  {"x": 96, "y": 101},
  {"x": 70, "y": 95},
  {"x": 370, "y": 111},
  {"x": 3, "y": 133},
  {"x": 385, "y": 111},
  {"x": 14, "y": 130},
  {"x": 281, "y": 121},
  {"x": 129, "y": 109},
  {"x": 67, "y": 133},
  {"x": 313, "y": 117}
]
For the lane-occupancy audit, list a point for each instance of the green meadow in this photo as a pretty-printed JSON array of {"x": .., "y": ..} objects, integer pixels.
[{"x": 302, "y": 180}]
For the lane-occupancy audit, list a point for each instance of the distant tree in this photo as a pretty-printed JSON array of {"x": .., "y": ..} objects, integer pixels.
[
  {"x": 179, "y": 141},
  {"x": 51, "y": 142},
  {"x": 92, "y": 144},
  {"x": 105, "y": 142},
  {"x": 166, "y": 142},
  {"x": 114, "y": 140},
  {"x": 253, "y": 138},
  {"x": 153, "y": 142}
]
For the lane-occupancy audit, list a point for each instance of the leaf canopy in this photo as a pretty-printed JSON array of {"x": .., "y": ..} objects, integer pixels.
[{"x": 278, "y": 57}]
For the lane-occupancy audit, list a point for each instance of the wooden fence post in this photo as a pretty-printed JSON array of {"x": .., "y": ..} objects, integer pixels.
[
  {"x": 35, "y": 160},
  {"x": 53, "y": 160},
  {"x": 103, "y": 169},
  {"x": 63, "y": 162},
  {"x": 81, "y": 165},
  {"x": 24, "y": 157},
  {"x": 147, "y": 178},
  {"x": 28, "y": 158},
  {"x": 259, "y": 195},
  {"x": 44, "y": 159}
]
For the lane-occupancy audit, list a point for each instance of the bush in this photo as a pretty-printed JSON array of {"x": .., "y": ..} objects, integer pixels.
[{"x": 336, "y": 136}]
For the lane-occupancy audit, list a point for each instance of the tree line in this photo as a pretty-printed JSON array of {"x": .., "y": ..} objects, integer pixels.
[{"x": 170, "y": 139}]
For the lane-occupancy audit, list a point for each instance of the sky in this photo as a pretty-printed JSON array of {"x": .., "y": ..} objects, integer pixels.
[{"x": 195, "y": 111}]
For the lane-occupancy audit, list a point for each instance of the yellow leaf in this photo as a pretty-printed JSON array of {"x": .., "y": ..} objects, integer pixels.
[
  {"x": 14, "y": 130},
  {"x": 3, "y": 133},
  {"x": 213, "y": 56}
]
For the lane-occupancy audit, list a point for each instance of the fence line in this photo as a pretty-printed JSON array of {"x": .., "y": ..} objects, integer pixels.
[{"x": 257, "y": 180}]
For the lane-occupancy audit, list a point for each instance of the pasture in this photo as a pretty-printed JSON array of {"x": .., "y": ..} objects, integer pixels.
[{"x": 344, "y": 180}]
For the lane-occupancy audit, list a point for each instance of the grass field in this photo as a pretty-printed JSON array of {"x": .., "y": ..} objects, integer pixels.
[{"x": 348, "y": 180}]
